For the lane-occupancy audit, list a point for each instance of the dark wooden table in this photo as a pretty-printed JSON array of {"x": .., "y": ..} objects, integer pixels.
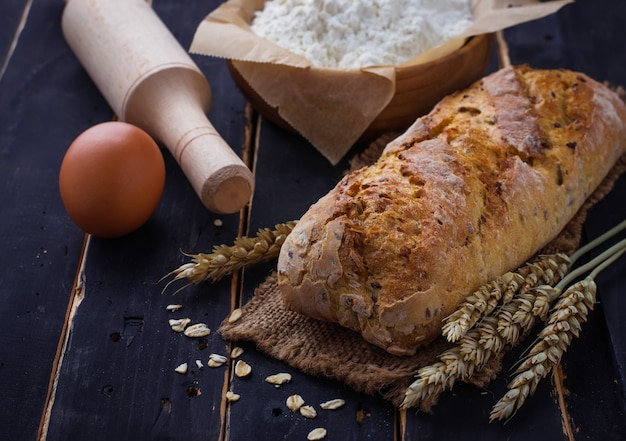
[{"x": 86, "y": 351}]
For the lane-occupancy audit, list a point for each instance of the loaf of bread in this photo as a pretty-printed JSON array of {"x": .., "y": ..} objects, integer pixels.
[{"x": 472, "y": 190}]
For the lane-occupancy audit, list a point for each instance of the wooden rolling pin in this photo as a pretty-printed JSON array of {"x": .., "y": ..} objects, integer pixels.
[{"x": 149, "y": 80}]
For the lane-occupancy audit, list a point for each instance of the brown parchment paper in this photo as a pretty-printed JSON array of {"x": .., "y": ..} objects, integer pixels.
[{"x": 331, "y": 108}]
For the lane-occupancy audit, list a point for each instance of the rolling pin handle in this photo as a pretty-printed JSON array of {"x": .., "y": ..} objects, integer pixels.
[{"x": 171, "y": 105}]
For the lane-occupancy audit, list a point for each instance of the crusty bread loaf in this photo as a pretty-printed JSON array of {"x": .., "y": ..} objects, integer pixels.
[{"x": 470, "y": 191}]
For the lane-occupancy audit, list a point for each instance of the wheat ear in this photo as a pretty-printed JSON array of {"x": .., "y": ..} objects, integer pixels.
[{"x": 225, "y": 259}]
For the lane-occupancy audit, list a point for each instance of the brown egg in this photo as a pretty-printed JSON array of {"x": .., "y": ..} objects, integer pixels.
[{"x": 112, "y": 179}]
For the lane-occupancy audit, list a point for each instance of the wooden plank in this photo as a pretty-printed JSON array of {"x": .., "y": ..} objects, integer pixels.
[
  {"x": 291, "y": 175},
  {"x": 13, "y": 17},
  {"x": 583, "y": 37},
  {"x": 40, "y": 112},
  {"x": 596, "y": 362},
  {"x": 117, "y": 378},
  {"x": 129, "y": 388}
]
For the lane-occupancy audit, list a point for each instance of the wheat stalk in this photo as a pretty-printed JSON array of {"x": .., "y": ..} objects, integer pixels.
[
  {"x": 564, "y": 323},
  {"x": 225, "y": 259}
]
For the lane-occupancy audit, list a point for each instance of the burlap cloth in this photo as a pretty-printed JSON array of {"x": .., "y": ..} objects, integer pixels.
[{"x": 328, "y": 350}]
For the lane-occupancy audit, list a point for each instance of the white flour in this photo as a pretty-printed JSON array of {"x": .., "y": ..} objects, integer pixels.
[{"x": 358, "y": 33}]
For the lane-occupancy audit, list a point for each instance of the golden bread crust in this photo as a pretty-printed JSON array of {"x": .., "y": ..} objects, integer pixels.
[{"x": 470, "y": 191}]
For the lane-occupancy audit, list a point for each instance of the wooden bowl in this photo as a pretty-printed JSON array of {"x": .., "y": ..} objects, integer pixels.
[{"x": 418, "y": 87}]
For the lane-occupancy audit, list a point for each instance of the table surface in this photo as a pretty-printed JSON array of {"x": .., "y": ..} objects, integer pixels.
[{"x": 86, "y": 351}]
